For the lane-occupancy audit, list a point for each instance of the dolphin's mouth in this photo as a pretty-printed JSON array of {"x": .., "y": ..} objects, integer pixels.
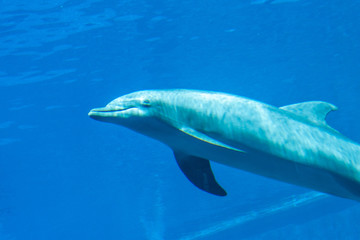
[{"x": 107, "y": 112}]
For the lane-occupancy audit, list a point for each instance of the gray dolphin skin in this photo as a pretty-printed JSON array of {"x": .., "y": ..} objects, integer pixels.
[{"x": 291, "y": 143}]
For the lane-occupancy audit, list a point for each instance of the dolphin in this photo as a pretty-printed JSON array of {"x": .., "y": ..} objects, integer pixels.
[{"x": 292, "y": 143}]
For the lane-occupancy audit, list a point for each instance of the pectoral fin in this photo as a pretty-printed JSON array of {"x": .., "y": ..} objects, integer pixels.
[
  {"x": 198, "y": 171},
  {"x": 205, "y": 138}
]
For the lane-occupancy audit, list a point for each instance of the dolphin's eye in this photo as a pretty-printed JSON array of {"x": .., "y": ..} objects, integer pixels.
[{"x": 145, "y": 102}]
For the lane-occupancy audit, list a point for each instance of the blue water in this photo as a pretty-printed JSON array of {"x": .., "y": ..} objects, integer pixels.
[{"x": 65, "y": 176}]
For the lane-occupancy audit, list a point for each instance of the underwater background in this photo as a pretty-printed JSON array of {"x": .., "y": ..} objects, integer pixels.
[{"x": 65, "y": 176}]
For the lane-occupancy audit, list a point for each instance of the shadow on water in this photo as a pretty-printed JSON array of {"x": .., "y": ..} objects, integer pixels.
[{"x": 294, "y": 210}]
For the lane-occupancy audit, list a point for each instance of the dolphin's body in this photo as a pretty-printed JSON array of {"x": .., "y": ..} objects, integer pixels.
[{"x": 292, "y": 143}]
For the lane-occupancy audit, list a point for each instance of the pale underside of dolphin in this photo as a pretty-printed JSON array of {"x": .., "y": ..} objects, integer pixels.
[{"x": 291, "y": 143}]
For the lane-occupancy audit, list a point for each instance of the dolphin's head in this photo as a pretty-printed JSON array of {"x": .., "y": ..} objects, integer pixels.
[
  {"x": 140, "y": 111},
  {"x": 126, "y": 108}
]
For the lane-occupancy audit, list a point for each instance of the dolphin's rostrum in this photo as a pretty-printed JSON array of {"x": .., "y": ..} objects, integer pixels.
[{"x": 291, "y": 143}]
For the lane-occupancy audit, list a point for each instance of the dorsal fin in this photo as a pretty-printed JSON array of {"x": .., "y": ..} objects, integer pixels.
[{"x": 315, "y": 111}]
